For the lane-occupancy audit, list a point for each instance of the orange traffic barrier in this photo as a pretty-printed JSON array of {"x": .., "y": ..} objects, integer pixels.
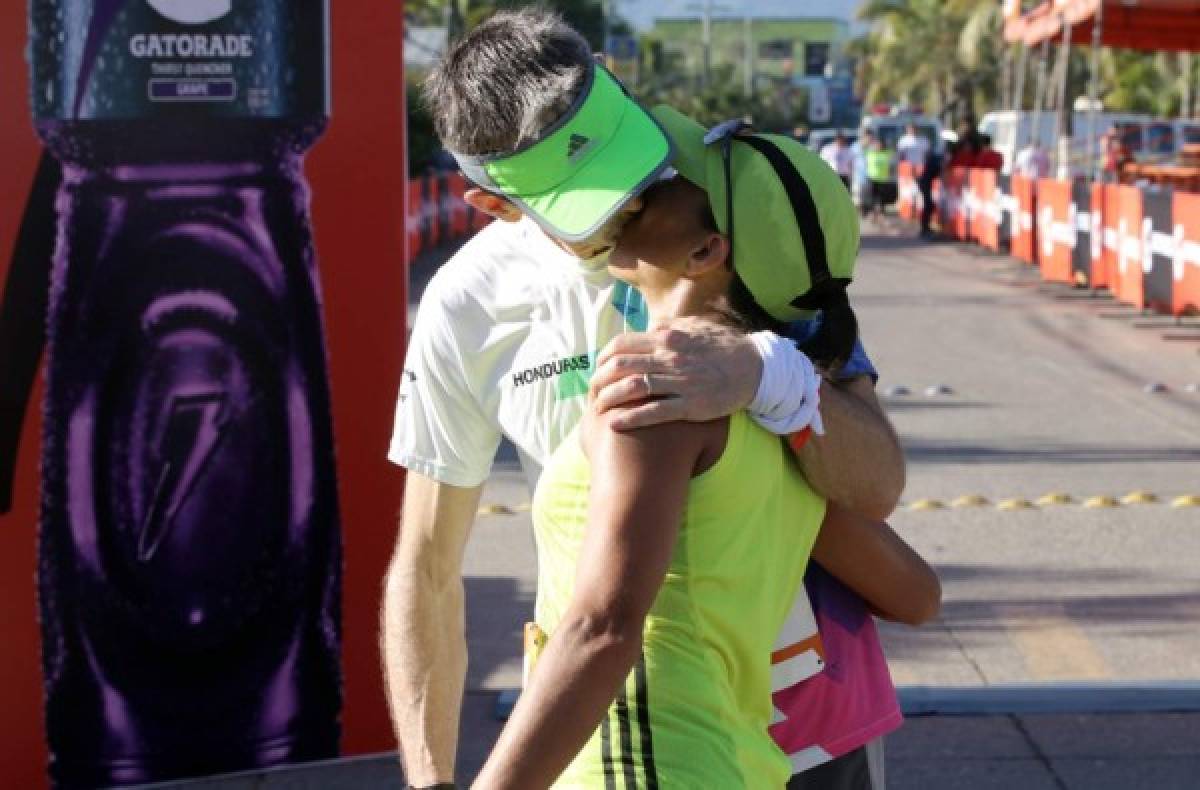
[
  {"x": 1186, "y": 263},
  {"x": 1024, "y": 235},
  {"x": 1055, "y": 231},
  {"x": 907, "y": 196},
  {"x": 1098, "y": 275},
  {"x": 1126, "y": 276},
  {"x": 986, "y": 209}
]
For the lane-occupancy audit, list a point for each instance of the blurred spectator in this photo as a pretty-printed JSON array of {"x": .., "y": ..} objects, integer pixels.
[
  {"x": 1032, "y": 162},
  {"x": 912, "y": 147},
  {"x": 861, "y": 185},
  {"x": 839, "y": 157},
  {"x": 1116, "y": 155},
  {"x": 881, "y": 168},
  {"x": 987, "y": 156},
  {"x": 929, "y": 171}
]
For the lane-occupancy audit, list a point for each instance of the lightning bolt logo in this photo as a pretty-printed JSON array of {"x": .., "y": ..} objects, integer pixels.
[{"x": 193, "y": 429}]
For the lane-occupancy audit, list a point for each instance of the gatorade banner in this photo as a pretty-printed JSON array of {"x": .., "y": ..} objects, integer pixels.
[
  {"x": 1081, "y": 214},
  {"x": 1158, "y": 249},
  {"x": 1055, "y": 231},
  {"x": 1024, "y": 233},
  {"x": 1127, "y": 275},
  {"x": 1185, "y": 291},
  {"x": 204, "y": 356}
]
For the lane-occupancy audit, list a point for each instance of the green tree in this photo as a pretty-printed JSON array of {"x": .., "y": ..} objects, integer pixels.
[{"x": 944, "y": 55}]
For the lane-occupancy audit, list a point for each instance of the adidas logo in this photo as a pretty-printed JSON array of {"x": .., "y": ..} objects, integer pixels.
[{"x": 577, "y": 146}]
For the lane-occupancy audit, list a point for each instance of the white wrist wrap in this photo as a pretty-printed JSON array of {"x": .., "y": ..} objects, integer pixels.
[{"x": 790, "y": 389}]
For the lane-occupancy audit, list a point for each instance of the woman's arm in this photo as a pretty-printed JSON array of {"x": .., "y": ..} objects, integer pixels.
[
  {"x": 873, "y": 561},
  {"x": 639, "y": 487}
]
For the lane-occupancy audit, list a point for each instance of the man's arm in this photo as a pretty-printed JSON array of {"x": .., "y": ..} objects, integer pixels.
[
  {"x": 424, "y": 643},
  {"x": 700, "y": 370},
  {"x": 858, "y": 463}
]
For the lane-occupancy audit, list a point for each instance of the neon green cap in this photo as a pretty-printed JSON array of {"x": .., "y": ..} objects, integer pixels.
[
  {"x": 604, "y": 151},
  {"x": 795, "y": 230}
]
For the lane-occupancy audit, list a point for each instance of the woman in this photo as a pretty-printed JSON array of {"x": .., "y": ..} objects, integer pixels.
[{"x": 669, "y": 556}]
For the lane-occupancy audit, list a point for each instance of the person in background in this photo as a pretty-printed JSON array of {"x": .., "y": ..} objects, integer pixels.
[
  {"x": 860, "y": 184},
  {"x": 1032, "y": 162},
  {"x": 1116, "y": 155},
  {"x": 912, "y": 147},
  {"x": 925, "y": 178},
  {"x": 839, "y": 157},
  {"x": 881, "y": 172},
  {"x": 988, "y": 157}
]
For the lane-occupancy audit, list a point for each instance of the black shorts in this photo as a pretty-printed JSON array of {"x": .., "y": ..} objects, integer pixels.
[{"x": 848, "y": 772}]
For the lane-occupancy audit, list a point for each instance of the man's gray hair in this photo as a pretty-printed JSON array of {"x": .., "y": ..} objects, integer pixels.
[{"x": 505, "y": 81}]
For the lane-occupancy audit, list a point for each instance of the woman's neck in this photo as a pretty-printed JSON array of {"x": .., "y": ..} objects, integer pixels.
[{"x": 686, "y": 297}]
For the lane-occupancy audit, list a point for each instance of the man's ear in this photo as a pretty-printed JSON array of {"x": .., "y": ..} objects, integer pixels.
[
  {"x": 492, "y": 204},
  {"x": 712, "y": 252}
]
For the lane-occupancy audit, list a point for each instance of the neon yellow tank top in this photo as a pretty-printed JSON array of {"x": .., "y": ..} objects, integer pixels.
[
  {"x": 694, "y": 712},
  {"x": 879, "y": 165}
]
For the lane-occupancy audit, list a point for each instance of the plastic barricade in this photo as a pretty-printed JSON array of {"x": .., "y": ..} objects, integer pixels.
[
  {"x": 456, "y": 186},
  {"x": 1081, "y": 219},
  {"x": 1055, "y": 232},
  {"x": 1185, "y": 295},
  {"x": 1112, "y": 207},
  {"x": 984, "y": 219},
  {"x": 412, "y": 226},
  {"x": 1127, "y": 275},
  {"x": 1158, "y": 248},
  {"x": 907, "y": 197},
  {"x": 1024, "y": 232},
  {"x": 1098, "y": 276},
  {"x": 960, "y": 223},
  {"x": 1005, "y": 209}
]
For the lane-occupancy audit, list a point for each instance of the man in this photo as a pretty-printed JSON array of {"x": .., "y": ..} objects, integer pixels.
[
  {"x": 508, "y": 334},
  {"x": 912, "y": 147},
  {"x": 839, "y": 157},
  {"x": 927, "y": 174}
]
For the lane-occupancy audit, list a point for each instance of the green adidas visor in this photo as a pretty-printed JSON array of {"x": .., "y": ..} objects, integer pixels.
[{"x": 603, "y": 152}]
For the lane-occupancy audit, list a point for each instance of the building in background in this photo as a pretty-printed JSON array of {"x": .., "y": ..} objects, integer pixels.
[{"x": 766, "y": 46}]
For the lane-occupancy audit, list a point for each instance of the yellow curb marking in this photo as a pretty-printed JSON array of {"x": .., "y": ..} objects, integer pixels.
[
  {"x": 1093, "y": 503},
  {"x": 1139, "y": 498},
  {"x": 1188, "y": 500},
  {"x": 524, "y": 507},
  {"x": 970, "y": 500},
  {"x": 1015, "y": 504},
  {"x": 1055, "y": 498},
  {"x": 1053, "y": 646},
  {"x": 496, "y": 510},
  {"x": 927, "y": 504}
]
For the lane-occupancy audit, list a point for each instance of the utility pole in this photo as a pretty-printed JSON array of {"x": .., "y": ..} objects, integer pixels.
[
  {"x": 706, "y": 42},
  {"x": 748, "y": 54},
  {"x": 706, "y": 10}
]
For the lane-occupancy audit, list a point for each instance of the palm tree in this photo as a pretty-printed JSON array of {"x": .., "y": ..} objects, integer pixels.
[{"x": 944, "y": 54}]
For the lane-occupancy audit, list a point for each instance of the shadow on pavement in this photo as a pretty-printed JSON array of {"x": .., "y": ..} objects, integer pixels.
[{"x": 944, "y": 451}]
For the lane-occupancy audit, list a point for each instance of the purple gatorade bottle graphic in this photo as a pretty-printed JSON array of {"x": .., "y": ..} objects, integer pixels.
[{"x": 189, "y": 547}]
